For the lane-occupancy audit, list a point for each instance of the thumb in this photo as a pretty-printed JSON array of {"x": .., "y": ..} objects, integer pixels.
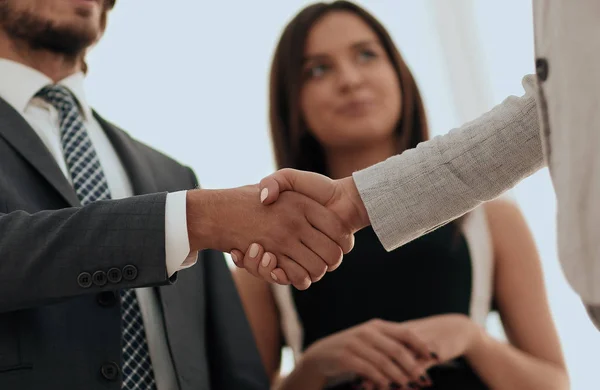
[
  {"x": 270, "y": 188},
  {"x": 317, "y": 187}
]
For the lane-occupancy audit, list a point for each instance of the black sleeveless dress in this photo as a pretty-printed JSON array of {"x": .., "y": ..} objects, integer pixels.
[{"x": 431, "y": 275}]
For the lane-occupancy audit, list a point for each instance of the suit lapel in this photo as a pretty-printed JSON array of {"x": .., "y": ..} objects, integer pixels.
[
  {"x": 17, "y": 132},
  {"x": 142, "y": 180}
]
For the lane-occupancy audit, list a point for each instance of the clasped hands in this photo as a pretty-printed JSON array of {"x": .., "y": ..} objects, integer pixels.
[
  {"x": 305, "y": 221},
  {"x": 313, "y": 226}
]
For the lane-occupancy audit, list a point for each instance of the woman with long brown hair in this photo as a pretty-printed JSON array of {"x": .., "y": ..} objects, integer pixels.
[{"x": 342, "y": 99}]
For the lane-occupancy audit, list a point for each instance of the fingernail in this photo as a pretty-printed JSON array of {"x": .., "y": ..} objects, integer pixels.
[
  {"x": 263, "y": 194},
  {"x": 274, "y": 276},
  {"x": 266, "y": 260},
  {"x": 233, "y": 257},
  {"x": 253, "y": 250}
]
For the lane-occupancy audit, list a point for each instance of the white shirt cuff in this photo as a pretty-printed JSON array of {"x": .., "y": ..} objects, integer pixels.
[{"x": 177, "y": 244}]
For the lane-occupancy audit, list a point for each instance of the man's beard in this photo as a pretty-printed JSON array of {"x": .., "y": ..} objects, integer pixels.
[{"x": 42, "y": 34}]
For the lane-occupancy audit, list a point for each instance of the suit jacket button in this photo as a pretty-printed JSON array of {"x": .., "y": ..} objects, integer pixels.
[
  {"x": 110, "y": 371},
  {"x": 99, "y": 278},
  {"x": 84, "y": 280},
  {"x": 541, "y": 68},
  {"x": 129, "y": 272},
  {"x": 106, "y": 298},
  {"x": 114, "y": 275}
]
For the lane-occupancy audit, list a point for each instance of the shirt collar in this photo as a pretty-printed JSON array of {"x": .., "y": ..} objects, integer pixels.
[
  {"x": 75, "y": 84},
  {"x": 19, "y": 84}
]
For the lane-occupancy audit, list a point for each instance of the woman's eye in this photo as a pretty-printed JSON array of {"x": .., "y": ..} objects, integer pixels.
[
  {"x": 366, "y": 55},
  {"x": 317, "y": 71}
]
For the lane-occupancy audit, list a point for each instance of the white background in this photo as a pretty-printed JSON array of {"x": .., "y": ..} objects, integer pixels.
[{"x": 190, "y": 78}]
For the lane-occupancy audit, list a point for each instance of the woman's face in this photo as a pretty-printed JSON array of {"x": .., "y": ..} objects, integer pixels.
[{"x": 351, "y": 93}]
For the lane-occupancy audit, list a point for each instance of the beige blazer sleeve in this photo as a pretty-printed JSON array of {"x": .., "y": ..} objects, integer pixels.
[{"x": 441, "y": 179}]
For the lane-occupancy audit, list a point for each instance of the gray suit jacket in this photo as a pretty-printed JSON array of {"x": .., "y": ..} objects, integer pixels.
[
  {"x": 56, "y": 332},
  {"x": 556, "y": 122}
]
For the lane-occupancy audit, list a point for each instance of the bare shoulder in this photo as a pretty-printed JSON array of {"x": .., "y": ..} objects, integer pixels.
[
  {"x": 511, "y": 236},
  {"x": 503, "y": 213},
  {"x": 509, "y": 230}
]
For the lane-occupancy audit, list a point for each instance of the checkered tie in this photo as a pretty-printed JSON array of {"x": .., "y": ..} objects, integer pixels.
[{"x": 90, "y": 185}]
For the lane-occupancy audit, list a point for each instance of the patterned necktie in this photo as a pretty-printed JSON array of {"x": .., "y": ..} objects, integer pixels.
[{"x": 90, "y": 185}]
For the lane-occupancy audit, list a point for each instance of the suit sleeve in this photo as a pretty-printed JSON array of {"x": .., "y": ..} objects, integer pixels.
[
  {"x": 441, "y": 179},
  {"x": 52, "y": 255}
]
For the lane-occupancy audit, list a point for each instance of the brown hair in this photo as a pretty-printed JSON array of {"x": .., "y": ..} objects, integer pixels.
[{"x": 293, "y": 144}]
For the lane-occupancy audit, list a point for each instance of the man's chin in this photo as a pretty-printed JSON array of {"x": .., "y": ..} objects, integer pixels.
[
  {"x": 68, "y": 37},
  {"x": 69, "y": 40}
]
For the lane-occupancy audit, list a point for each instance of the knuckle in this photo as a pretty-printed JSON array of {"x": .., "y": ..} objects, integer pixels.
[
  {"x": 387, "y": 366},
  {"x": 305, "y": 284},
  {"x": 363, "y": 333},
  {"x": 319, "y": 272},
  {"x": 342, "y": 230},
  {"x": 365, "y": 369},
  {"x": 398, "y": 351},
  {"x": 358, "y": 367},
  {"x": 409, "y": 334},
  {"x": 296, "y": 278},
  {"x": 301, "y": 280},
  {"x": 334, "y": 254},
  {"x": 279, "y": 237},
  {"x": 338, "y": 232},
  {"x": 375, "y": 322},
  {"x": 382, "y": 361},
  {"x": 415, "y": 371},
  {"x": 352, "y": 345},
  {"x": 342, "y": 357},
  {"x": 348, "y": 241},
  {"x": 295, "y": 274},
  {"x": 402, "y": 354},
  {"x": 294, "y": 226}
]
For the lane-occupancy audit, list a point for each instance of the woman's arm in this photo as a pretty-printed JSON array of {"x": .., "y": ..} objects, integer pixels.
[
  {"x": 533, "y": 359},
  {"x": 302, "y": 377},
  {"x": 262, "y": 313},
  {"x": 261, "y": 310}
]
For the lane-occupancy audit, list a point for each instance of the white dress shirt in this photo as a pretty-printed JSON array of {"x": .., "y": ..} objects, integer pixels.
[{"x": 18, "y": 86}]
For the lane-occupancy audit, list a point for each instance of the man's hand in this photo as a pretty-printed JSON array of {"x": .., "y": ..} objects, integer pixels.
[{"x": 306, "y": 238}]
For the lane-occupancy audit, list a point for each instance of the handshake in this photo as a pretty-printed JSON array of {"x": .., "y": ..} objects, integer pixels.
[{"x": 294, "y": 226}]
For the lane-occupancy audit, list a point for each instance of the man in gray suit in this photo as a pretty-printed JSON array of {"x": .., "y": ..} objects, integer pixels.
[
  {"x": 556, "y": 123},
  {"x": 96, "y": 229}
]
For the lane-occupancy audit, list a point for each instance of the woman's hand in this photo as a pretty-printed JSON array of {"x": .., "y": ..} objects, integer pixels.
[
  {"x": 385, "y": 353},
  {"x": 450, "y": 335}
]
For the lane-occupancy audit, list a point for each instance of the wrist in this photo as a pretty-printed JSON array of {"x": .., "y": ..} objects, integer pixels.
[
  {"x": 479, "y": 343},
  {"x": 359, "y": 218},
  {"x": 201, "y": 219},
  {"x": 309, "y": 368}
]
